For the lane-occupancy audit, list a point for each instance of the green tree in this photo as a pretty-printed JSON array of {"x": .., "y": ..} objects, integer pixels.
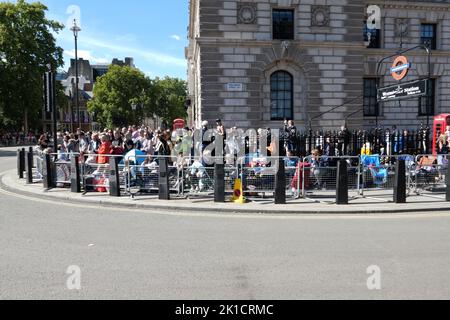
[
  {"x": 27, "y": 47},
  {"x": 116, "y": 92},
  {"x": 170, "y": 97}
]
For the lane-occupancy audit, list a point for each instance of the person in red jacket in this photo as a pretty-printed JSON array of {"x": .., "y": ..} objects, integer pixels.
[{"x": 105, "y": 149}]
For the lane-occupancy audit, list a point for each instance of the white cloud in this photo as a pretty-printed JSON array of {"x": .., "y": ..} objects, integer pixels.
[
  {"x": 176, "y": 37},
  {"x": 151, "y": 56},
  {"x": 87, "y": 55},
  {"x": 122, "y": 49}
]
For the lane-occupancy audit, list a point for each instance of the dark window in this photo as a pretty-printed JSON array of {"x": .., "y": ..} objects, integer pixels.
[
  {"x": 428, "y": 35},
  {"x": 281, "y": 95},
  {"x": 372, "y": 37},
  {"x": 283, "y": 24},
  {"x": 371, "y": 106},
  {"x": 427, "y": 103},
  {"x": 98, "y": 73}
]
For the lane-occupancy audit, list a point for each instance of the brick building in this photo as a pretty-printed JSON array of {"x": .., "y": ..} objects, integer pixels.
[{"x": 254, "y": 63}]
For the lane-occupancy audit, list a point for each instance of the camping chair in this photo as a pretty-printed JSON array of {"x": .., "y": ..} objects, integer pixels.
[
  {"x": 373, "y": 165},
  {"x": 198, "y": 177},
  {"x": 426, "y": 171}
]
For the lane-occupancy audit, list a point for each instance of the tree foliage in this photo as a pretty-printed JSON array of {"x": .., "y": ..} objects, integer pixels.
[
  {"x": 27, "y": 46},
  {"x": 116, "y": 92},
  {"x": 170, "y": 98},
  {"x": 120, "y": 88}
]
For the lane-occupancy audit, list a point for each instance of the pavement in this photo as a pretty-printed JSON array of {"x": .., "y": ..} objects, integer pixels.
[{"x": 373, "y": 202}]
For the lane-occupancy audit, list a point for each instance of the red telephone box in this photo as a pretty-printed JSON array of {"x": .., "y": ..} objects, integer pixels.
[
  {"x": 441, "y": 122},
  {"x": 179, "y": 124}
]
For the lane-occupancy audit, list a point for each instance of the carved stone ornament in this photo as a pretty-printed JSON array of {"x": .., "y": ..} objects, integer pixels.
[
  {"x": 402, "y": 27},
  {"x": 320, "y": 16},
  {"x": 247, "y": 13}
]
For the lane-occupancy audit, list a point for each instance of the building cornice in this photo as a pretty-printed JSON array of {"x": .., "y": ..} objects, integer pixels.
[
  {"x": 386, "y": 52},
  {"x": 410, "y": 5},
  {"x": 270, "y": 43}
]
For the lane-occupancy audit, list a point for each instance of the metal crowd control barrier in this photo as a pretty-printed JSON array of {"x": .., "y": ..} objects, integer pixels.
[
  {"x": 95, "y": 176},
  {"x": 62, "y": 169},
  {"x": 429, "y": 175},
  {"x": 379, "y": 174},
  {"x": 198, "y": 177},
  {"x": 142, "y": 175},
  {"x": 258, "y": 174},
  {"x": 370, "y": 177},
  {"x": 34, "y": 163},
  {"x": 319, "y": 177}
]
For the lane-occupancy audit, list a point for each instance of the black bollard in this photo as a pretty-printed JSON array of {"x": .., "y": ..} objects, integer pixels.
[
  {"x": 219, "y": 182},
  {"x": 164, "y": 192},
  {"x": 280, "y": 183},
  {"x": 30, "y": 149},
  {"x": 75, "y": 181},
  {"x": 47, "y": 172},
  {"x": 114, "y": 182},
  {"x": 447, "y": 182},
  {"x": 400, "y": 182},
  {"x": 29, "y": 167},
  {"x": 20, "y": 162},
  {"x": 342, "y": 183}
]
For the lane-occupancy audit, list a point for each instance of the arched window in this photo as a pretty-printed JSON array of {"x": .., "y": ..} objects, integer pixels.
[{"x": 281, "y": 95}]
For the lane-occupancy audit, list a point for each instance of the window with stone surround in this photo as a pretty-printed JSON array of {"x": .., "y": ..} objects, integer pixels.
[
  {"x": 427, "y": 104},
  {"x": 281, "y": 95},
  {"x": 428, "y": 35},
  {"x": 371, "y": 105},
  {"x": 283, "y": 24}
]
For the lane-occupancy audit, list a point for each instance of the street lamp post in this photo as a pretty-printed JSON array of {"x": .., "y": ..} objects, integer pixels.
[
  {"x": 76, "y": 29},
  {"x": 134, "y": 108},
  {"x": 71, "y": 92}
]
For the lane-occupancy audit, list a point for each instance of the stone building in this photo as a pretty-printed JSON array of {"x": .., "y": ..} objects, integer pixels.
[{"x": 253, "y": 63}]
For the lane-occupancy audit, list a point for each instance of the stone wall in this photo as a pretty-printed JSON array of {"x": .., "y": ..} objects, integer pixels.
[{"x": 327, "y": 58}]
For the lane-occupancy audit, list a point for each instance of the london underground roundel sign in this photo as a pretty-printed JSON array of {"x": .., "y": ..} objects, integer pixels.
[{"x": 400, "y": 68}]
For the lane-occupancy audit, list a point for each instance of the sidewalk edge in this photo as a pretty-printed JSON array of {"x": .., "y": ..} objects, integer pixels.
[{"x": 109, "y": 204}]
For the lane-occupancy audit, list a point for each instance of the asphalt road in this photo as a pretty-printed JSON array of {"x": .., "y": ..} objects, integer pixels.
[{"x": 134, "y": 254}]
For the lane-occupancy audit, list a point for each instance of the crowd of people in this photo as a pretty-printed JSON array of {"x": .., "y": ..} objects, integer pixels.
[
  {"x": 14, "y": 138},
  {"x": 152, "y": 143},
  {"x": 109, "y": 142}
]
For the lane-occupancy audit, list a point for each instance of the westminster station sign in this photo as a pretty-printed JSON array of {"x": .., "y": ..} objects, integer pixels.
[{"x": 411, "y": 89}]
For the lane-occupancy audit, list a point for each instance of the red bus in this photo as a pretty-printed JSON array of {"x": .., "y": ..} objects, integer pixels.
[
  {"x": 179, "y": 124},
  {"x": 441, "y": 122}
]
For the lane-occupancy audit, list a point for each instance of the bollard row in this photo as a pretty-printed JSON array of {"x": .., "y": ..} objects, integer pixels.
[{"x": 221, "y": 181}]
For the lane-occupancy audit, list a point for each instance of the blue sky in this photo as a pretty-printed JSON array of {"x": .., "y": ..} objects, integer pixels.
[{"x": 153, "y": 32}]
